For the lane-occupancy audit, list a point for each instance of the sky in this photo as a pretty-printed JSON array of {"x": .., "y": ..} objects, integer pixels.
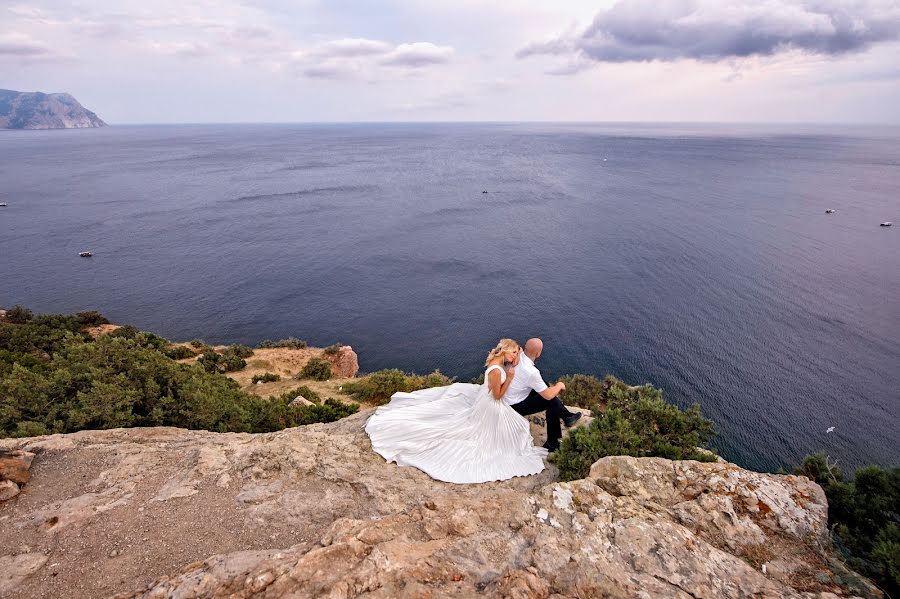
[{"x": 172, "y": 61}]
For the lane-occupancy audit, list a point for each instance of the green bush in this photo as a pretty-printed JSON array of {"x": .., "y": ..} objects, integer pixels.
[
  {"x": 180, "y": 352},
  {"x": 290, "y": 343},
  {"x": 227, "y": 361},
  {"x": 198, "y": 343},
  {"x": 316, "y": 369},
  {"x": 209, "y": 361},
  {"x": 241, "y": 351},
  {"x": 267, "y": 377},
  {"x": 56, "y": 379},
  {"x": 143, "y": 338},
  {"x": 91, "y": 318},
  {"x": 302, "y": 390},
  {"x": 583, "y": 390},
  {"x": 19, "y": 315},
  {"x": 378, "y": 387},
  {"x": 864, "y": 516},
  {"x": 427, "y": 381},
  {"x": 231, "y": 363},
  {"x": 333, "y": 350},
  {"x": 636, "y": 422}
]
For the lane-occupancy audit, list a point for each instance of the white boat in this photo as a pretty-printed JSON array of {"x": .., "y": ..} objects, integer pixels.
[
  {"x": 887, "y": 224},
  {"x": 85, "y": 254},
  {"x": 829, "y": 211},
  {"x": 2, "y": 204}
]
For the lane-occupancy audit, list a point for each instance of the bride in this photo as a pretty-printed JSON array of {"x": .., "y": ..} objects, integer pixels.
[{"x": 462, "y": 433}]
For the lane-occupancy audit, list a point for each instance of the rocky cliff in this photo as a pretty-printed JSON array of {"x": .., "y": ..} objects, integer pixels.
[
  {"x": 313, "y": 512},
  {"x": 37, "y": 110}
]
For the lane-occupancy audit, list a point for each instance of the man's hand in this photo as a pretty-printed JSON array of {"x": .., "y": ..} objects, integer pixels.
[{"x": 550, "y": 392}]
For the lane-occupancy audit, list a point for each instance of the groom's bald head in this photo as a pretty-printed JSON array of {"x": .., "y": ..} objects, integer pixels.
[{"x": 533, "y": 348}]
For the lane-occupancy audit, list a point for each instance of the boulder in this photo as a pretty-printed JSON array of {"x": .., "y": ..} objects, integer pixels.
[
  {"x": 15, "y": 465},
  {"x": 300, "y": 401},
  {"x": 344, "y": 363},
  {"x": 8, "y": 490}
]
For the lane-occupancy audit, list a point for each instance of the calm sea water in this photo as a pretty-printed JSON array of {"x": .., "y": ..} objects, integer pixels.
[{"x": 699, "y": 259}]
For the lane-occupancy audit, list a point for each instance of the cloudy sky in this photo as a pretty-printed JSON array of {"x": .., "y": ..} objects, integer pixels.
[{"x": 134, "y": 61}]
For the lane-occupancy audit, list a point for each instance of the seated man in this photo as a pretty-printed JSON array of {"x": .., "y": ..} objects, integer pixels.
[{"x": 529, "y": 394}]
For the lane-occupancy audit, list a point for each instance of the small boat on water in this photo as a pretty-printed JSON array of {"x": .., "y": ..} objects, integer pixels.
[
  {"x": 2, "y": 204},
  {"x": 829, "y": 211},
  {"x": 85, "y": 254},
  {"x": 887, "y": 224}
]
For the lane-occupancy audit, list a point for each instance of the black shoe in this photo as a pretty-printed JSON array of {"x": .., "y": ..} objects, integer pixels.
[
  {"x": 550, "y": 448},
  {"x": 570, "y": 421}
]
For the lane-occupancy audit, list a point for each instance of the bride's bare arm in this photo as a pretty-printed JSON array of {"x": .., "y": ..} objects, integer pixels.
[{"x": 494, "y": 385}]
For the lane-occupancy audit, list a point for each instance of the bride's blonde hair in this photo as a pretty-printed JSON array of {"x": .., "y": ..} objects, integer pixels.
[{"x": 504, "y": 346}]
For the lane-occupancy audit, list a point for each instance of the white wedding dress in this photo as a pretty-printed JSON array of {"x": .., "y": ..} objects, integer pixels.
[{"x": 457, "y": 434}]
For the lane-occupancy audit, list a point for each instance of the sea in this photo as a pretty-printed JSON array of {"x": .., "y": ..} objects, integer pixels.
[{"x": 697, "y": 258}]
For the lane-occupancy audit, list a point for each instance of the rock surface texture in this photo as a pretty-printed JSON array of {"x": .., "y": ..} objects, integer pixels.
[
  {"x": 37, "y": 110},
  {"x": 313, "y": 512}
]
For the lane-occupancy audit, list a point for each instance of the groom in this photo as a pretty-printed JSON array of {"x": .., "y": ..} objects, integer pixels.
[{"x": 529, "y": 394}]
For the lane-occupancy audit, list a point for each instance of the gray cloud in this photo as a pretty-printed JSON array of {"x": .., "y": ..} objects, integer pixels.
[
  {"x": 329, "y": 71},
  {"x": 715, "y": 30},
  {"x": 418, "y": 54},
  {"x": 22, "y": 49}
]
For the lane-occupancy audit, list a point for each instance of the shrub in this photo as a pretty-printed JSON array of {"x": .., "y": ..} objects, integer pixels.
[
  {"x": 333, "y": 350},
  {"x": 434, "y": 379},
  {"x": 635, "y": 423},
  {"x": 583, "y": 390},
  {"x": 316, "y": 369},
  {"x": 267, "y": 377},
  {"x": 198, "y": 343},
  {"x": 378, "y": 387},
  {"x": 56, "y": 379},
  {"x": 209, "y": 361},
  {"x": 91, "y": 318},
  {"x": 141, "y": 337},
  {"x": 306, "y": 392},
  {"x": 290, "y": 343},
  {"x": 236, "y": 349},
  {"x": 227, "y": 361},
  {"x": 864, "y": 516},
  {"x": 276, "y": 413},
  {"x": 231, "y": 362},
  {"x": 19, "y": 315},
  {"x": 180, "y": 352}
]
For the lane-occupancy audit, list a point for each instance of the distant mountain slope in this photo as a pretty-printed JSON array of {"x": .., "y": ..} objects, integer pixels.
[{"x": 37, "y": 110}]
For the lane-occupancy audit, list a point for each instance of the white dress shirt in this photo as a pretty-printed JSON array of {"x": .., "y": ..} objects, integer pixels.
[{"x": 527, "y": 377}]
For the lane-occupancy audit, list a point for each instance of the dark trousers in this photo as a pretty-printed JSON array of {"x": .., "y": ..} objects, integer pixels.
[{"x": 554, "y": 408}]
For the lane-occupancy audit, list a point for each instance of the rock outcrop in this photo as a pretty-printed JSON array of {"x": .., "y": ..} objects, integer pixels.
[
  {"x": 37, "y": 110},
  {"x": 313, "y": 512},
  {"x": 344, "y": 362},
  {"x": 14, "y": 472}
]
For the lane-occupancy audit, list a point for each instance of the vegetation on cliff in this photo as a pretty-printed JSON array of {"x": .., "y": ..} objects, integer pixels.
[
  {"x": 632, "y": 421},
  {"x": 57, "y": 378},
  {"x": 864, "y": 517},
  {"x": 378, "y": 387}
]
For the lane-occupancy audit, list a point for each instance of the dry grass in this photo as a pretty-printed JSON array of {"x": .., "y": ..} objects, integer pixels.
[
  {"x": 285, "y": 362},
  {"x": 101, "y": 329}
]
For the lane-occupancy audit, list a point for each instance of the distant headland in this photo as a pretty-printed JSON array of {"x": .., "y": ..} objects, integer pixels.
[{"x": 37, "y": 110}]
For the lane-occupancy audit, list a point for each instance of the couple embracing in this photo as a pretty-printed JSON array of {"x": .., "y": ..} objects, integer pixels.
[{"x": 467, "y": 433}]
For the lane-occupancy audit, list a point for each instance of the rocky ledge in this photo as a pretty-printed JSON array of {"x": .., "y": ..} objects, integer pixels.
[{"x": 313, "y": 512}]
